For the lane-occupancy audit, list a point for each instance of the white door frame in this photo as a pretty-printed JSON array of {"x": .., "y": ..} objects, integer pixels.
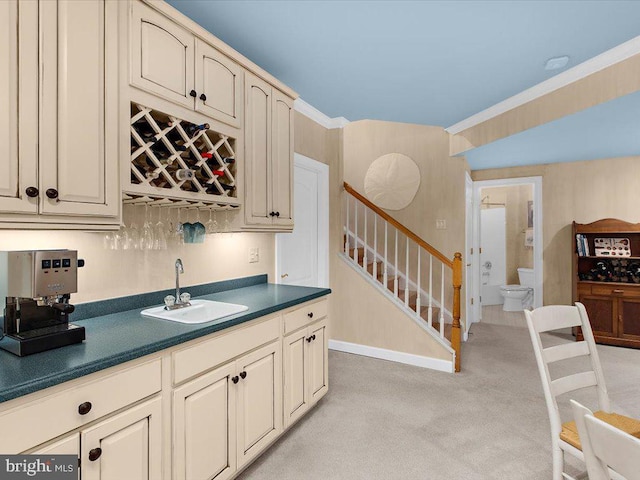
[
  {"x": 468, "y": 258},
  {"x": 537, "y": 235},
  {"x": 322, "y": 170}
]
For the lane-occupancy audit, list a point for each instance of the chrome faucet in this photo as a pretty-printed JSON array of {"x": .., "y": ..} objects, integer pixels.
[{"x": 180, "y": 300}]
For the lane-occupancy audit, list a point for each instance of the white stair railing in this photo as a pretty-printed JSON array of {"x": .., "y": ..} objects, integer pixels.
[{"x": 377, "y": 266}]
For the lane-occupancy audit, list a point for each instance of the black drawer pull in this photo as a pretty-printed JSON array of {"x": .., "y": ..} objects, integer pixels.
[
  {"x": 310, "y": 314},
  {"x": 32, "y": 192},
  {"x": 203, "y": 97},
  {"x": 84, "y": 408},
  {"x": 235, "y": 379},
  {"x": 52, "y": 193},
  {"x": 95, "y": 453},
  {"x": 193, "y": 93},
  {"x": 243, "y": 375}
]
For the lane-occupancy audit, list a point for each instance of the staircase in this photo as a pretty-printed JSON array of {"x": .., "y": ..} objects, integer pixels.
[{"x": 419, "y": 279}]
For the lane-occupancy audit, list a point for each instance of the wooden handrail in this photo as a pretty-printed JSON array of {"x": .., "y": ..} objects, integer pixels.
[{"x": 433, "y": 251}]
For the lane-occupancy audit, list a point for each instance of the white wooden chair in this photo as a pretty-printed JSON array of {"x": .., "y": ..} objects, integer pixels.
[
  {"x": 564, "y": 436},
  {"x": 609, "y": 452}
]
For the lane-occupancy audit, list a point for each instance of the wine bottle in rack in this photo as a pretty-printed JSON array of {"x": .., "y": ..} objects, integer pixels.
[
  {"x": 192, "y": 128},
  {"x": 206, "y": 155},
  {"x": 145, "y": 130},
  {"x": 229, "y": 188},
  {"x": 229, "y": 160}
]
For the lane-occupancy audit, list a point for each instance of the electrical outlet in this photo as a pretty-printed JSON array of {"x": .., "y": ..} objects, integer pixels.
[
  {"x": 441, "y": 224},
  {"x": 254, "y": 255}
]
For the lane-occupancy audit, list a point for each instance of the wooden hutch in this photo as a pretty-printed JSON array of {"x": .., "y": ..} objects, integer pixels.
[{"x": 606, "y": 279}]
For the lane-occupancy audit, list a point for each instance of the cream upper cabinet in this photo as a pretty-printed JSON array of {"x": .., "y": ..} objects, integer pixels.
[
  {"x": 172, "y": 63},
  {"x": 59, "y": 148},
  {"x": 162, "y": 55},
  {"x": 17, "y": 76},
  {"x": 219, "y": 85},
  {"x": 128, "y": 445},
  {"x": 78, "y": 166},
  {"x": 268, "y": 155}
]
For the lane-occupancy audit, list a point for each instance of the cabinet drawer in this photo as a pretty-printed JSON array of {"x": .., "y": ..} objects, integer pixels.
[
  {"x": 48, "y": 417},
  {"x": 615, "y": 290},
  {"x": 304, "y": 315},
  {"x": 208, "y": 354}
]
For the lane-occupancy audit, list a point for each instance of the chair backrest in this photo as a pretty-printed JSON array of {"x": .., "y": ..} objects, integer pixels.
[
  {"x": 555, "y": 317},
  {"x": 611, "y": 448},
  {"x": 594, "y": 468}
]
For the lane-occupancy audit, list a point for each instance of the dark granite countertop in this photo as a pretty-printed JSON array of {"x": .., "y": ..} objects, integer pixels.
[{"x": 117, "y": 333}]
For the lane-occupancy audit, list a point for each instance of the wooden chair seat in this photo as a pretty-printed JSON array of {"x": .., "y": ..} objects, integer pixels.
[{"x": 629, "y": 425}]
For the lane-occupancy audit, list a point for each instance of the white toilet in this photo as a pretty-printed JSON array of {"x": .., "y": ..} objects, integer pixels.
[{"x": 518, "y": 297}]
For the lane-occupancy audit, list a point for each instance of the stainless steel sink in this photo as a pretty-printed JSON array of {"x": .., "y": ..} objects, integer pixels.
[{"x": 200, "y": 311}]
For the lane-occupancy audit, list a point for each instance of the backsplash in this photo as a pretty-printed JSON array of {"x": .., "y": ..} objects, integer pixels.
[{"x": 116, "y": 273}]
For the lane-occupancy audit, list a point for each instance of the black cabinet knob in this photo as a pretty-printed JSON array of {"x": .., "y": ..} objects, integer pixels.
[
  {"x": 313, "y": 337},
  {"x": 203, "y": 97},
  {"x": 193, "y": 93},
  {"x": 243, "y": 375},
  {"x": 309, "y": 339},
  {"x": 52, "y": 193},
  {"x": 272, "y": 214},
  {"x": 277, "y": 214},
  {"x": 235, "y": 379},
  {"x": 32, "y": 192},
  {"x": 310, "y": 314},
  {"x": 84, "y": 408},
  {"x": 94, "y": 454}
]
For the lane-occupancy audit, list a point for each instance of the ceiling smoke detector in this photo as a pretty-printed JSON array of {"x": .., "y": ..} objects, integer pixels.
[{"x": 556, "y": 63}]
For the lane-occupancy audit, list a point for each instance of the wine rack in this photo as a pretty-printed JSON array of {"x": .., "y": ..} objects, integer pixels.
[{"x": 175, "y": 159}]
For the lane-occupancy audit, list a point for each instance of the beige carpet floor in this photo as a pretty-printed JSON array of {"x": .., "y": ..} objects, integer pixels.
[{"x": 382, "y": 420}]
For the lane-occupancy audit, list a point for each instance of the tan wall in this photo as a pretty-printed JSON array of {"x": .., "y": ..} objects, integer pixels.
[
  {"x": 515, "y": 198},
  {"x": 581, "y": 191},
  {"x": 116, "y": 273}
]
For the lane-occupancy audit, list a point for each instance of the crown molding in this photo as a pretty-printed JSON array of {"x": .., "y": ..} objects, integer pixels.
[
  {"x": 606, "y": 59},
  {"x": 317, "y": 116}
]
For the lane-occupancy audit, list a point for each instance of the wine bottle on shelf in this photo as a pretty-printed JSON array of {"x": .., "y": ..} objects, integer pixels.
[
  {"x": 206, "y": 155},
  {"x": 143, "y": 129},
  {"x": 184, "y": 174},
  {"x": 229, "y": 188},
  {"x": 192, "y": 128},
  {"x": 229, "y": 160}
]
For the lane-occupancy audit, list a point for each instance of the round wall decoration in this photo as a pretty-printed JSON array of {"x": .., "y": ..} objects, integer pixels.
[{"x": 392, "y": 181}]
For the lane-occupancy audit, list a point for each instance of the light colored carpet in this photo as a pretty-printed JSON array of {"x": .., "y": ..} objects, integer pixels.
[{"x": 382, "y": 420}]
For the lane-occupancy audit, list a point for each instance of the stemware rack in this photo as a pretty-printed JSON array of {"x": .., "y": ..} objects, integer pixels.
[{"x": 174, "y": 160}]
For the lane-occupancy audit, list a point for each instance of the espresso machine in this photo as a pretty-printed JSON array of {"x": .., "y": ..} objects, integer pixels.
[{"x": 37, "y": 285}]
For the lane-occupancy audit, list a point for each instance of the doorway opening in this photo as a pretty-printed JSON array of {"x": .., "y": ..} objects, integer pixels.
[{"x": 506, "y": 263}]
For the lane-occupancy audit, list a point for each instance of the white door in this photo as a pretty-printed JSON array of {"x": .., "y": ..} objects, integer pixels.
[
  {"x": 468, "y": 257},
  {"x": 302, "y": 256}
]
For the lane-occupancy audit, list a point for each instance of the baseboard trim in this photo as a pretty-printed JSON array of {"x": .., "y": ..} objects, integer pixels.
[{"x": 392, "y": 355}]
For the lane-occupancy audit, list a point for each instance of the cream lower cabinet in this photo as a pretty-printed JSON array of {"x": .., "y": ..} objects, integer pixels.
[
  {"x": 268, "y": 156},
  {"x": 305, "y": 370},
  {"x": 226, "y": 417},
  {"x": 58, "y": 160}
]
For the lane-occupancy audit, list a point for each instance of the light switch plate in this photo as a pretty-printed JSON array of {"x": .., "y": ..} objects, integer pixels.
[
  {"x": 441, "y": 224},
  {"x": 254, "y": 255}
]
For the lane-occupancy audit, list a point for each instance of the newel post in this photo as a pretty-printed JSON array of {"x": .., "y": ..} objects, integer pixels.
[{"x": 455, "y": 327}]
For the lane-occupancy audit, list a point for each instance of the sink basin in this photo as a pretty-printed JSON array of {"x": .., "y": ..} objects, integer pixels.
[{"x": 200, "y": 311}]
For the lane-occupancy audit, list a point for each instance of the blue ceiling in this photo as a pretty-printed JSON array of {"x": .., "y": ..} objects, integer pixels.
[{"x": 425, "y": 62}]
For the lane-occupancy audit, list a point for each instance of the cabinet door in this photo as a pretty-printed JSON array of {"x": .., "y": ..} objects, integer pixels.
[
  {"x": 67, "y": 446},
  {"x": 258, "y": 151},
  {"x": 282, "y": 159},
  {"x": 629, "y": 318},
  {"x": 18, "y": 86},
  {"x": 219, "y": 85},
  {"x": 259, "y": 400},
  {"x": 602, "y": 311},
  {"x": 126, "y": 446},
  {"x": 204, "y": 435},
  {"x": 78, "y": 157},
  {"x": 296, "y": 373},
  {"x": 318, "y": 361},
  {"x": 162, "y": 55}
]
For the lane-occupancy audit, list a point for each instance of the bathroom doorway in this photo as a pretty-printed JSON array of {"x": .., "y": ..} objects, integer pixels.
[{"x": 508, "y": 216}]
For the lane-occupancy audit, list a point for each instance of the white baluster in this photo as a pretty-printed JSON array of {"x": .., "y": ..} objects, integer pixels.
[
  {"x": 375, "y": 246},
  {"x": 406, "y": 278},
  {"x": 386, "y": 265},
  {"x": 355, "y": 234},
  {"x": 418, "y": 285},
  {"x": 366, "y": 244},
  {"x": 430, "y": 309},
  {"x": 395, "y": 266},
  {"x": 346, "y": 236},
  {"x": 441, "y": 319}
]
